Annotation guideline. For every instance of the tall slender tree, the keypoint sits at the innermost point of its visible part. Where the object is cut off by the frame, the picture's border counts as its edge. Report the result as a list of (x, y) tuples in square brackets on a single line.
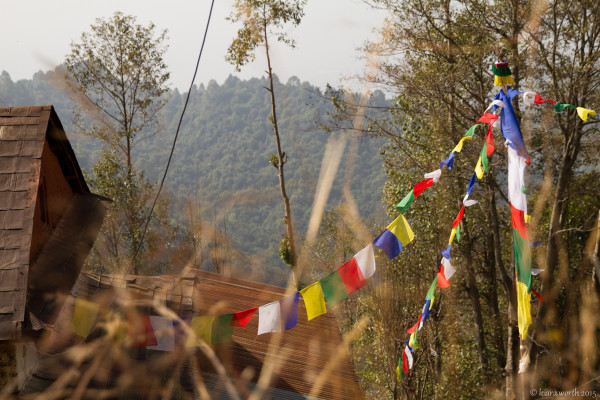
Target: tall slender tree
[(120, 81), (263, 21)]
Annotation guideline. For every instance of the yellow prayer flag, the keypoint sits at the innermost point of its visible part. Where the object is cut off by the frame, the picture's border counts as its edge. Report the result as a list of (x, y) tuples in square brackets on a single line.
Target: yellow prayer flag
[(479, 169), (202, 327), (523, 309), (452, 234), (84, 316), (412, 341), (584, 112), (398, 373), (527, 218), (459, 146), (400, 228), (313, 300)]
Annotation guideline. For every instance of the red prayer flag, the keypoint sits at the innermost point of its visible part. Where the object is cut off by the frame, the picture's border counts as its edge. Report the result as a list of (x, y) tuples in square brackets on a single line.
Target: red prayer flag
[(140, 330), (489, 141), (404, 363), (518, 222), (538, 100), (442, 282), (413, 328), (539, 296), (459, 217), (488, 118), (352, 276), (419, 187), (241, 318)]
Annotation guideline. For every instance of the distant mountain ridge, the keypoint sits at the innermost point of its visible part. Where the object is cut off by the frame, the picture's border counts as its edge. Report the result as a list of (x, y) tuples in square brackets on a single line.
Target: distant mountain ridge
[(221, 159)]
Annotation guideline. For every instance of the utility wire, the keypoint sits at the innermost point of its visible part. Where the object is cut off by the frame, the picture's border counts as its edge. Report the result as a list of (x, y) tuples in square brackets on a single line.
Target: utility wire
[(187, 99)]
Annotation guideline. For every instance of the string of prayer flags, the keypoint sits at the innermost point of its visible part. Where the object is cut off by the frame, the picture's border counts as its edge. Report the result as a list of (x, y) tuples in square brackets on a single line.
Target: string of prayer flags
[(84, 316), (415, 326), (397, 235), (289, 310), (269, 318), (241, 318), (430, 179), (351, 276), (584, 112), (537, 99), (502, 74), (313, 300), (164, 333), (426, 311)]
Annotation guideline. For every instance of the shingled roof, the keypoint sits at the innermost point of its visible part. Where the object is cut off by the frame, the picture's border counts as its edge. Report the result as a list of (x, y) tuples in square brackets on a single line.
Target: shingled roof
[(304, 352), (28, 137)]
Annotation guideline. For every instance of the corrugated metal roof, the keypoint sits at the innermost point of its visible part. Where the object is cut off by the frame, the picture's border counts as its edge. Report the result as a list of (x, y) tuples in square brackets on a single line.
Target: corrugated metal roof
[(304, 350)]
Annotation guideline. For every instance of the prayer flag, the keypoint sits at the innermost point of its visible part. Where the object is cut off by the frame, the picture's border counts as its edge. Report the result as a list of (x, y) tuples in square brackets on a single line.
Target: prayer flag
[(434, 174), (406, 201), (289, 310), (431, 291), (448, 268), (222, 330), (584, 112), (442, 282), (448, 162), (459, 217), (409, 357), (140, 330), (415, 326), (509, 124), (404, 363), (333, 289), (313, 300), (457, 230), (202, 328), (459, 145), (352, 276), (539, 100), (366, 261), (269, 318), (397, 235), (489, 118), (471, 184), (164, 333), (471, 130), (559, 107), (479, 169), (421, 186), (84, 316), (412, 341), (489, 141), (426, 311), (446, 253), (241, 318)]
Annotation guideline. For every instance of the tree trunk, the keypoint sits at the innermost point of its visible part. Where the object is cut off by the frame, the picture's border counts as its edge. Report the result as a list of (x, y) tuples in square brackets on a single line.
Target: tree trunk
[(281, 159)]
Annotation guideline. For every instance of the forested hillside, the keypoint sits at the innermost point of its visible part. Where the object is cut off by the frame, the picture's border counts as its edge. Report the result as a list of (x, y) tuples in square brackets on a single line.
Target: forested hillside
[(221, 162)]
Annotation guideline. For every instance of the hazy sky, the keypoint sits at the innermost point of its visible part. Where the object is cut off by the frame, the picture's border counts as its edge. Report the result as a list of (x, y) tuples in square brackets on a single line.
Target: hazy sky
[(36, 36)]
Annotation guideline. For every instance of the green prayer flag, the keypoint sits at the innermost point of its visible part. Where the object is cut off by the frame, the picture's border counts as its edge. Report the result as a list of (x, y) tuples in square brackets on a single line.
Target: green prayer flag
[(471, 130), (222, 330), (333, 289), (484, 158), (457, 230), (431, 291), (559, 107), (406, 201)]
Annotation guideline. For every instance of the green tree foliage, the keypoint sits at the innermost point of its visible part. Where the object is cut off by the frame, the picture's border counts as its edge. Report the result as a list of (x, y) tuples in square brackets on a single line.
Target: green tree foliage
[(118, 69), (119, 81), (438, 57), (221, 172), (262, 19)]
